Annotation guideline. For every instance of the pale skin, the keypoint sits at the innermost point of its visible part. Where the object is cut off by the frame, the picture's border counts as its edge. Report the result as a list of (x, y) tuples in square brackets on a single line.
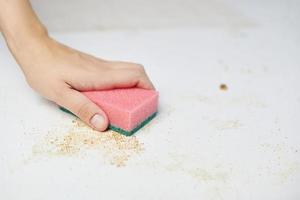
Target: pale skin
[(58, 72)]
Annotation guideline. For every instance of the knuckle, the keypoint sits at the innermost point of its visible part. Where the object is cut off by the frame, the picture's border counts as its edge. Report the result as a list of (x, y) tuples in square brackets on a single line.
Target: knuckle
[(139, 68), (31, 83)]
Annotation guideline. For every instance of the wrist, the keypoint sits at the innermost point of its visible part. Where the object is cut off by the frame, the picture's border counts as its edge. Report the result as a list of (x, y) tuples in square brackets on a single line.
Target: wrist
[(27, 46), (19, 24), (18, 39)]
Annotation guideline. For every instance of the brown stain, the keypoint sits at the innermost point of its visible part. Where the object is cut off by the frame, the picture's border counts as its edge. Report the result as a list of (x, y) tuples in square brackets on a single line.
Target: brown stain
[(111, 146), (223, 87)]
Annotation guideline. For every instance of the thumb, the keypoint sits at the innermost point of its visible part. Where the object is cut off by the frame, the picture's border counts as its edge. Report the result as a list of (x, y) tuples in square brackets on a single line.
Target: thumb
[(83, 108)]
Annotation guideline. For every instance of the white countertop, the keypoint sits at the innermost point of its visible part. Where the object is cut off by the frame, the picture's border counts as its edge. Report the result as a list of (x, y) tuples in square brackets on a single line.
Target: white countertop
[(205, 143)]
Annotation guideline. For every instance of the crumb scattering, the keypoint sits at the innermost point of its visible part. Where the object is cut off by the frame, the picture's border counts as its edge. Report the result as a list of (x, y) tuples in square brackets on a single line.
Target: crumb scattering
[(112, 146)]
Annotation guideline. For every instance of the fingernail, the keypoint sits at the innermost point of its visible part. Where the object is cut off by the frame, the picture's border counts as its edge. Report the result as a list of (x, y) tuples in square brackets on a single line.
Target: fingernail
[(97, 121)]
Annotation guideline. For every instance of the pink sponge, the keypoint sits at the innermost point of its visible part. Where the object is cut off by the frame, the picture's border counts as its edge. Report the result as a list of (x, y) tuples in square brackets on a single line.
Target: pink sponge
[(127, 109)]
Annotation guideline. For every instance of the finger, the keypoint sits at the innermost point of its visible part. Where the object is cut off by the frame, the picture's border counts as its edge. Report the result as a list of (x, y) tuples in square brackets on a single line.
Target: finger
[(141, 77), (145, 83), (112, 78), (125, 78), (83, 108)]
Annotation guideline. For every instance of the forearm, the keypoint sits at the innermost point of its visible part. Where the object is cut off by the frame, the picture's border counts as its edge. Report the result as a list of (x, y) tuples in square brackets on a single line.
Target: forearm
[(18, 20), (21, 28)]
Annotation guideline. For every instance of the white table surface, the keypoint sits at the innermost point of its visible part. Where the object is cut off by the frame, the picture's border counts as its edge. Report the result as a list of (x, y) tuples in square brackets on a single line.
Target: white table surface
[(205, 143)]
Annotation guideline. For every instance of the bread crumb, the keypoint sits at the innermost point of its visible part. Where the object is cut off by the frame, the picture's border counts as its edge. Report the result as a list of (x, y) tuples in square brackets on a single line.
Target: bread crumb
[(111, 146)]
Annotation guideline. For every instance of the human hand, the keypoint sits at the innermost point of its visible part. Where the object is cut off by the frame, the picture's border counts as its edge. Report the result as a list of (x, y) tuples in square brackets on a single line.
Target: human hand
[(59, 73)]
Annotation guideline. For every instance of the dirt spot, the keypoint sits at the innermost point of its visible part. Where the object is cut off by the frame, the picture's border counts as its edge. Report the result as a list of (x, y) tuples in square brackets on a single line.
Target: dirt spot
[(109, 146), (223, 87)]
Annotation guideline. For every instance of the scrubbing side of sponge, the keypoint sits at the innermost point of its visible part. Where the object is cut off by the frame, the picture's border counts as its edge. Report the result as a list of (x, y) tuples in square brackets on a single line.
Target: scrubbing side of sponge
[(138, 127)]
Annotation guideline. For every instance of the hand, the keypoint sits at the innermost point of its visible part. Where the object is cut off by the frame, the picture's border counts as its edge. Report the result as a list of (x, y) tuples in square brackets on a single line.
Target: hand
[(58, 73)]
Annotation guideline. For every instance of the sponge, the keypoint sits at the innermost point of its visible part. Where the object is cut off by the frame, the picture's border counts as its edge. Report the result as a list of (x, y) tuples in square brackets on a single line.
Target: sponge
[(128, 110)]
